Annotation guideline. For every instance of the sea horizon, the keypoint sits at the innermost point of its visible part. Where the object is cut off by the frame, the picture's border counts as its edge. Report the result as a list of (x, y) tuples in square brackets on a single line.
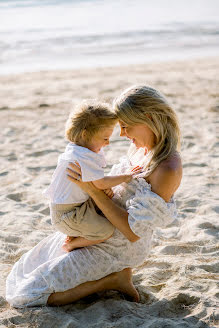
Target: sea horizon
[(52, 35)]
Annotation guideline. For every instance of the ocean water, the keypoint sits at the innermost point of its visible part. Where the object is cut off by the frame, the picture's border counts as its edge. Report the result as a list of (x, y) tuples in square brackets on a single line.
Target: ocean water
[(61, 34)]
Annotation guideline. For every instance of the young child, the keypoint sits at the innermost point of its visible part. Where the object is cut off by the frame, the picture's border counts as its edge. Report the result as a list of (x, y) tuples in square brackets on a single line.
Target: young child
[(88, 129)]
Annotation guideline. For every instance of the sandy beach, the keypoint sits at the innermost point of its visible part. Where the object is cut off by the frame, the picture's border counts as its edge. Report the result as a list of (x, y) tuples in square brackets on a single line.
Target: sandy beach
[(178, 282)]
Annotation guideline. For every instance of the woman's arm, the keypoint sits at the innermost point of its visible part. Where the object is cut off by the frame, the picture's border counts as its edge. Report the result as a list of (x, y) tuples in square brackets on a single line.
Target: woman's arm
[(115, 214)]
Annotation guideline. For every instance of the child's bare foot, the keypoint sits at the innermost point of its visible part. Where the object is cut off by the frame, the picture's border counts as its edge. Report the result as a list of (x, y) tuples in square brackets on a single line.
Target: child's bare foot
[(72, 243), (123, 283), (68, 244), (69, 238)]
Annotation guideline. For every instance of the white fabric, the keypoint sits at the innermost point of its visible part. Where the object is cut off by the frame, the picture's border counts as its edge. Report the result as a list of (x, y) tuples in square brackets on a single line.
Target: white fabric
[(62, 190), (47, 268)]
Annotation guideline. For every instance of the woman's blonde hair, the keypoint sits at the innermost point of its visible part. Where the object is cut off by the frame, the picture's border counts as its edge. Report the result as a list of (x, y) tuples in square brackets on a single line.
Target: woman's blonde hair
[(145, 105), (89, 116)]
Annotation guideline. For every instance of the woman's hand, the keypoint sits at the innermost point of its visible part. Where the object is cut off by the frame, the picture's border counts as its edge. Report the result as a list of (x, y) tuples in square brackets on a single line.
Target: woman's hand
[(74, 174), (74, 171)]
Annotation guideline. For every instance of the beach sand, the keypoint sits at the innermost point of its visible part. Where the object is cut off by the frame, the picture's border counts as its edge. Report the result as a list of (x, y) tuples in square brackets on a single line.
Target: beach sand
[(178, 282)]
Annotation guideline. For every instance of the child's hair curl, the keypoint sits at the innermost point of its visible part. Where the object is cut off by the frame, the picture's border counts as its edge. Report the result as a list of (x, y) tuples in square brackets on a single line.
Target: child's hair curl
[(89, 116)]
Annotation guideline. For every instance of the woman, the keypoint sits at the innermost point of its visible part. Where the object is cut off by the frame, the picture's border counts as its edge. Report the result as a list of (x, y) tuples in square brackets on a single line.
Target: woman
[(47, 275)]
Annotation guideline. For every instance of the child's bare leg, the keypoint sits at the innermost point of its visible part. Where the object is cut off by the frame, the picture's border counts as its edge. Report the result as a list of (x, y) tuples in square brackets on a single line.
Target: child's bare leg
[(78, 242), (121, 281)]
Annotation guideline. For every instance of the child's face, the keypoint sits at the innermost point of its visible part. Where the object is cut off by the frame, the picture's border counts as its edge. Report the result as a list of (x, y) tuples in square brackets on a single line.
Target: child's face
[(100, 139)]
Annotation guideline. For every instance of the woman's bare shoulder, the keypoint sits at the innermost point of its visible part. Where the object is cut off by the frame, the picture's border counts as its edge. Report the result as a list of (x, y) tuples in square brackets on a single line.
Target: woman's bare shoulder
[(166, 178), (172, 163)]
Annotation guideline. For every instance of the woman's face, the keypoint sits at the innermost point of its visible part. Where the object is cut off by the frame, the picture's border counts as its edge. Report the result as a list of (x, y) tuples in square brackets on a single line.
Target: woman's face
[(140, 134)]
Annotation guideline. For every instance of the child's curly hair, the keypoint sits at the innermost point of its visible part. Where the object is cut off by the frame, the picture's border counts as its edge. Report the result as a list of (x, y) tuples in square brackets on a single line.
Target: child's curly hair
[(89, 116)]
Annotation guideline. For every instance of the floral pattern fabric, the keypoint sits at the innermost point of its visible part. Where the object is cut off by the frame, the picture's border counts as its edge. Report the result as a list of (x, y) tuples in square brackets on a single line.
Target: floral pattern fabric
[(47, 268)]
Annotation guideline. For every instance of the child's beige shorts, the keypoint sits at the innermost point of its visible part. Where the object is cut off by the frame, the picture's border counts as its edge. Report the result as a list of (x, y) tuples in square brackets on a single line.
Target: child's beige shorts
[(80, 220)]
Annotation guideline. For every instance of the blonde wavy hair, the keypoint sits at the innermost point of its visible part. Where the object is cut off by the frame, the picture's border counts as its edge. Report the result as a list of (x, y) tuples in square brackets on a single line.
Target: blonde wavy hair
[(145, 105), (90, 116)]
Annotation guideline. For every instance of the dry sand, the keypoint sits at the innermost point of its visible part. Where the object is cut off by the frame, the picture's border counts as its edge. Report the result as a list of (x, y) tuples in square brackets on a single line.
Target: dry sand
[(178, 282)]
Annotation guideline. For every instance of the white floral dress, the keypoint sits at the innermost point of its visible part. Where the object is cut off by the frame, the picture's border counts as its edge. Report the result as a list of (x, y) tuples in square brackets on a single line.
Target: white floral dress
[(47, 268)]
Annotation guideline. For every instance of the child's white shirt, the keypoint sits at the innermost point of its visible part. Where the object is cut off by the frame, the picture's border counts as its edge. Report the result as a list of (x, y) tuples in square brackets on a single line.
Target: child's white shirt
[(62, 190)]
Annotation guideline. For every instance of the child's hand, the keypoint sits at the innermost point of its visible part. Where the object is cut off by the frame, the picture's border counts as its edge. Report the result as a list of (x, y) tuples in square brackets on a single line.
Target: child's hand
[(136, 170), (109, 192)]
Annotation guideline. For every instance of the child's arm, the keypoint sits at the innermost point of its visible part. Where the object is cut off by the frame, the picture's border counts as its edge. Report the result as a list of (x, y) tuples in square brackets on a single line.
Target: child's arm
[(112, 181)]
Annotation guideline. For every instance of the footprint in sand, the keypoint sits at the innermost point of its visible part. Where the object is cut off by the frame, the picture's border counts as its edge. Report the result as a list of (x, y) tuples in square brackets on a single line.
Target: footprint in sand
[(11, 239), (12, 157), (3, 173), (216, 209), (50, 167), (183, 303), (189, 137), (41, 168), (41, 153), (191, 205), (207, 225), (34, 169), (190, 144), (191, 164), (45, 211), (43, 105), (178, 249), (3, 213), (212, 268), (37, 206), (18, 197)]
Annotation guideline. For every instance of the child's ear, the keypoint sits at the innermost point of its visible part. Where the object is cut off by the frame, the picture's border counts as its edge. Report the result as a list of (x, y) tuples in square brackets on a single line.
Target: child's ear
[(84, 134)]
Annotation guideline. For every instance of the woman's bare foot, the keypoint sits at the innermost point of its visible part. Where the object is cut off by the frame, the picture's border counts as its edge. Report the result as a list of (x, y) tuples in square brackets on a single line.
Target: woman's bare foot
[(122, 281)]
